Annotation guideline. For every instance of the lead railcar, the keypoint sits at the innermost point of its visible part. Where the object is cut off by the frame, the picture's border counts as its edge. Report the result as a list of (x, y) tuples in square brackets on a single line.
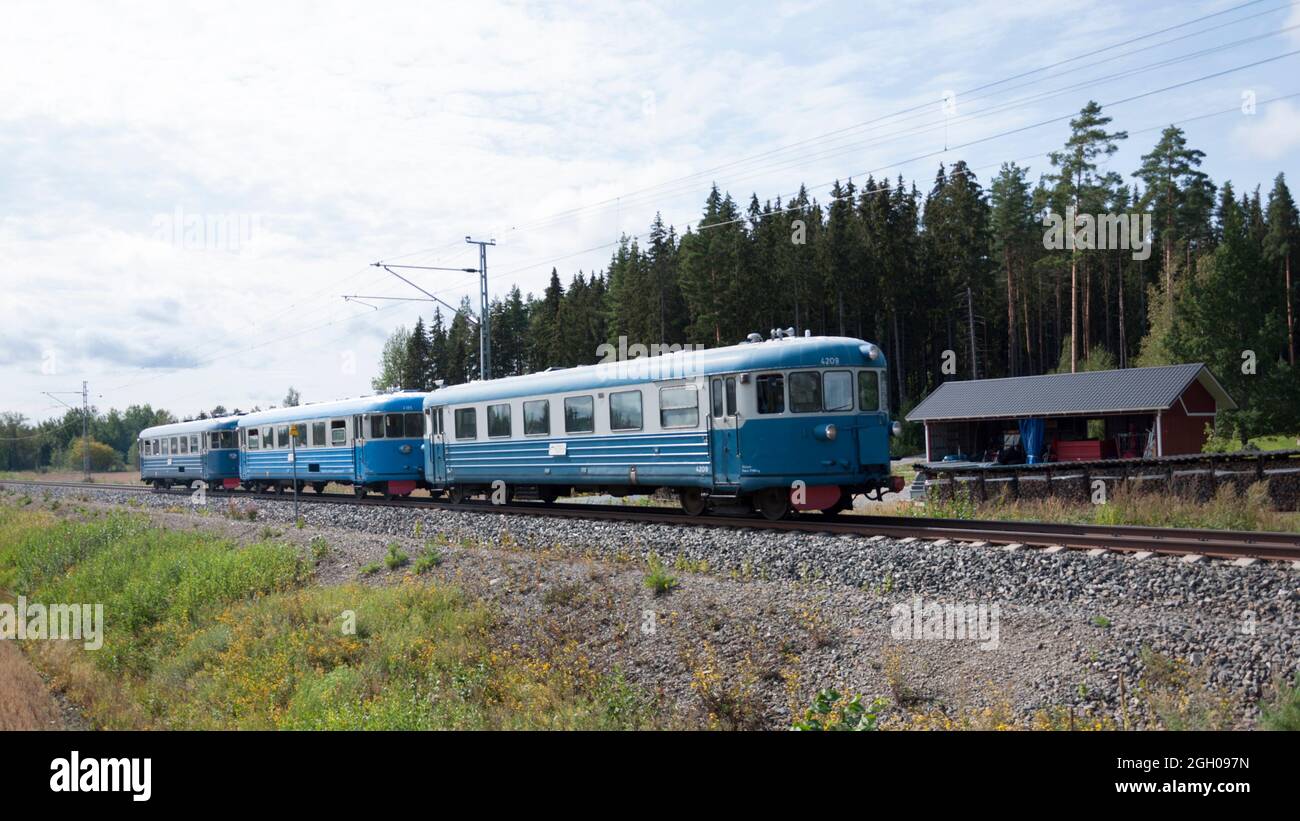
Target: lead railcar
[(790, 422)]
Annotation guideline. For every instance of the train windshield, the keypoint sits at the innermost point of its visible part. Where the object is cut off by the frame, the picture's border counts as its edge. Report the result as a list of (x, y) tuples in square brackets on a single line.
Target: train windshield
[(869, 390)]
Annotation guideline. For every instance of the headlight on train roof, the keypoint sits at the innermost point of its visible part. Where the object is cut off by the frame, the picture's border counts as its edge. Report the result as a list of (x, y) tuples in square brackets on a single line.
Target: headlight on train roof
[(869, 350)]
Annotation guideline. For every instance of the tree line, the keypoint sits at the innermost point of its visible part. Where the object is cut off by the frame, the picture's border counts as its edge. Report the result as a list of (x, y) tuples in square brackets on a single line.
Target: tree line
[(960, 267)]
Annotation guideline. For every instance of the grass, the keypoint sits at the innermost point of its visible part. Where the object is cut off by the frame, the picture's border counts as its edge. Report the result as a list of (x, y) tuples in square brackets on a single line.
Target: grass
[(1229, 509), (431, 558), (1283, 711), (395, 557), (203, 633), (657, 578)]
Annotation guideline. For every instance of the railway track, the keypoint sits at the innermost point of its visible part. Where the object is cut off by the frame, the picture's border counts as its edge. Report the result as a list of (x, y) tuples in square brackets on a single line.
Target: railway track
[(1222, 544)]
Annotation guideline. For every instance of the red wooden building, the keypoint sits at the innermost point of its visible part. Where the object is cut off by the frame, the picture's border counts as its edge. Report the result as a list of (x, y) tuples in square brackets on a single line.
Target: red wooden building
[(1132, 412)]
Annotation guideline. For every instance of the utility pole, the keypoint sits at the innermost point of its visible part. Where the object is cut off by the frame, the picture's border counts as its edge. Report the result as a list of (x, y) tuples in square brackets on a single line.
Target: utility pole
[(485, 322), (85, 429), (85, 422)]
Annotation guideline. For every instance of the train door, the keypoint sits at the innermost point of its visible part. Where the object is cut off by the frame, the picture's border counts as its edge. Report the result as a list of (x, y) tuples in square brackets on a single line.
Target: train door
[(726, 430), (873, 419), (437, 447)]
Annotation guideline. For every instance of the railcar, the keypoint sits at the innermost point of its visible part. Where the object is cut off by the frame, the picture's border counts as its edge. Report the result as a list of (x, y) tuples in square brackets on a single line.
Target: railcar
[(186, 452), (778, 424), (374, 443)]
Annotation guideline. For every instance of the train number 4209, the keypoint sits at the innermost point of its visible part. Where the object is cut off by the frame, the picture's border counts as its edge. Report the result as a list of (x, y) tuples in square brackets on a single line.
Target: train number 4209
[(830, 360)]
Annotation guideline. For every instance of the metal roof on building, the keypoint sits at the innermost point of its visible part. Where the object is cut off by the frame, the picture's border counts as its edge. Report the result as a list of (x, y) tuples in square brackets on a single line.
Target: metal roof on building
[(1128, 390)]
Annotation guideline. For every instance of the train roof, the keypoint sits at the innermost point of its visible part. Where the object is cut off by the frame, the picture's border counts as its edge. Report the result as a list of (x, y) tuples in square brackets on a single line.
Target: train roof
[(193, 426), (773, 354), (397, 402)]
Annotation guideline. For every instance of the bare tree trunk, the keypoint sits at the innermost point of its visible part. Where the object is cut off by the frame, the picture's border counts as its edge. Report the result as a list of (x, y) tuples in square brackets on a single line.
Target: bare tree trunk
[(1012, 354), (1123, 334), (1290, 315), (1074, 314)]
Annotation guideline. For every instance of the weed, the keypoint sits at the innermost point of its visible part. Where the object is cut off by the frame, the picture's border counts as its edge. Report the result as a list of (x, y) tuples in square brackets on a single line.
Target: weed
[(832, 711), (657, 578), (395, 558)]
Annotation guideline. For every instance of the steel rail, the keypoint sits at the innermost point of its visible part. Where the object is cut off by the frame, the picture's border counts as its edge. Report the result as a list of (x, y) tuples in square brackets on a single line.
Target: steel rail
[(1223, 544)]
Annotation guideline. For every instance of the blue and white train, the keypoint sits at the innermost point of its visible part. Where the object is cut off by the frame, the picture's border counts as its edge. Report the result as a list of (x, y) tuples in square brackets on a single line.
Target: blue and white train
[(372, 443), (186, 452), (790, 422)]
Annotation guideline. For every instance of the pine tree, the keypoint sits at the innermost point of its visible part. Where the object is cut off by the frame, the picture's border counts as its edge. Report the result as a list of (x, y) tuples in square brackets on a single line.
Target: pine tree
[(1074, 181), (1281, 243)]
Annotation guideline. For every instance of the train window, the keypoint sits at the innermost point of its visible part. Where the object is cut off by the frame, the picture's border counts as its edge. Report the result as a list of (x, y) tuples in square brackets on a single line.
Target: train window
[(805, 392), (679, 407), (252, 439), (282, 437), (466, 423), (318, 439), (414, 425), (868, 390), (716, 393), (268, 438), (579, 414), (185, 444), (227, 439), (338, 432), (537, 417), (625, 410), (837, 391), (731, 396), (300, 438), (498, 420), (194, 443), (770, 389), (394, 426), (214, 441), (376, 426)]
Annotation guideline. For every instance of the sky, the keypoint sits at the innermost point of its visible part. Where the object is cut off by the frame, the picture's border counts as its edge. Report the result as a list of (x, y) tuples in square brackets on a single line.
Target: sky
[(188, 190)]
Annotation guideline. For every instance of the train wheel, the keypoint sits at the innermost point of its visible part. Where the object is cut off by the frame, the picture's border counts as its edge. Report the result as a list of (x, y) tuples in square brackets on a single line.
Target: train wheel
[(548, 494), (692, 501), (359, 491), (457, 495), (319, 487), (773, 503)]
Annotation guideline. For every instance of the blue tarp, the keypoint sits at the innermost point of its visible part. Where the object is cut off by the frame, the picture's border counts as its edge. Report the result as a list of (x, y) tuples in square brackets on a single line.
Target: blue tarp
[(1031, 439)]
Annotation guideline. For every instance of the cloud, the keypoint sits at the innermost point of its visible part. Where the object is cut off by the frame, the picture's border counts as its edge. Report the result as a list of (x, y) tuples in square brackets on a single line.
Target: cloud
[(1272, 132), (153, 134)]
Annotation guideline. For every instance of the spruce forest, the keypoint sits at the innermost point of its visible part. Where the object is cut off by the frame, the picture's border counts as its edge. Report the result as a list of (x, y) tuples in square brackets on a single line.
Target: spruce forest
[(959, 265)]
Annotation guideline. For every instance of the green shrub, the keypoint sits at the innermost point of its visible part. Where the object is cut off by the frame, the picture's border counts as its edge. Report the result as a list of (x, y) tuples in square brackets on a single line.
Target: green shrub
[(657, 577), (395, 558), (832, 711)]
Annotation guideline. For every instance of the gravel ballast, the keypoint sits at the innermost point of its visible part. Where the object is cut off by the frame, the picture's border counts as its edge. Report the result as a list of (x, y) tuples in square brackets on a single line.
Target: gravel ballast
[(1069, 626)]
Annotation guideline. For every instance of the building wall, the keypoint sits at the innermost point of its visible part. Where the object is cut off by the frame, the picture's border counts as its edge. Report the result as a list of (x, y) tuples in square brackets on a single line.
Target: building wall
[(1183, 432)]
